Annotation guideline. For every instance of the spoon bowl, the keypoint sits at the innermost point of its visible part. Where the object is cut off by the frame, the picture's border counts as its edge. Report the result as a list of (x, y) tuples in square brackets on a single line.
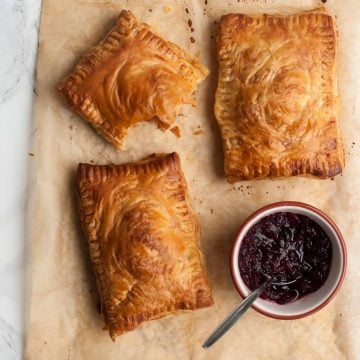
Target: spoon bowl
[(239, 311)]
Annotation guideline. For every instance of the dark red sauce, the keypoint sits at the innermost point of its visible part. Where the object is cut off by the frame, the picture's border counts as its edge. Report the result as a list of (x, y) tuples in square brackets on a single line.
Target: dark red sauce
[(289, 249)]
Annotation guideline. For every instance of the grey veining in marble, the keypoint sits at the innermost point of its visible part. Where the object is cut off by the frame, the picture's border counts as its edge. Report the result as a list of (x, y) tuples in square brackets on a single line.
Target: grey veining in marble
[(10, 341), (17, 44), (19, 24)]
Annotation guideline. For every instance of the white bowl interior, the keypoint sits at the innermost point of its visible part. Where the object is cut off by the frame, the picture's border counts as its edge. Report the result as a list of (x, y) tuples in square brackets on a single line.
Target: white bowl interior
[(308, 302)]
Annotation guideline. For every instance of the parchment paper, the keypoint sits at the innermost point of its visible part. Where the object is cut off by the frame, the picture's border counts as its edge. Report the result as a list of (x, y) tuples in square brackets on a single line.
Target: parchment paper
[(64, 322)]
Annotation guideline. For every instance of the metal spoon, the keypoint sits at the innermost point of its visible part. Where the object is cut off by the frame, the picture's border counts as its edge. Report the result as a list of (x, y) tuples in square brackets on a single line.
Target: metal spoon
[(240, 310)]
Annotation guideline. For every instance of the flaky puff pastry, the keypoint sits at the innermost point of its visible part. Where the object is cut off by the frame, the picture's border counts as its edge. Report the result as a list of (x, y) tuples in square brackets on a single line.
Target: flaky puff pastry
[(143, 237), (277, 97), (133, 75)]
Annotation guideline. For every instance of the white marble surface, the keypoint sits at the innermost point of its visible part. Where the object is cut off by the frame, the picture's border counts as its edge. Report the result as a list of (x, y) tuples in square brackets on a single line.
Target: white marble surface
[(19, 23)]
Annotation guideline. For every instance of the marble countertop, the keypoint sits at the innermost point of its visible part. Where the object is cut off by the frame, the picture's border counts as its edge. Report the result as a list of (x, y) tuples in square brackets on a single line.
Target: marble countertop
[(19, 25)]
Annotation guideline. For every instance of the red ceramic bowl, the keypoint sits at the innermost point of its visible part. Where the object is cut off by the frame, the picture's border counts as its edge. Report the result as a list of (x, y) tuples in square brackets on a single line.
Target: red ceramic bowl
[(310, 303)]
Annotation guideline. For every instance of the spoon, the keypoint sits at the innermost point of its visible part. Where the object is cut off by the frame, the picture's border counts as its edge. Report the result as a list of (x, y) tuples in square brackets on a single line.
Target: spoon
[(240, 310)]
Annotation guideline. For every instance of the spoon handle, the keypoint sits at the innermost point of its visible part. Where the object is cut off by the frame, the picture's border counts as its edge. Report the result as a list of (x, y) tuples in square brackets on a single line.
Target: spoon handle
[(233, 317)]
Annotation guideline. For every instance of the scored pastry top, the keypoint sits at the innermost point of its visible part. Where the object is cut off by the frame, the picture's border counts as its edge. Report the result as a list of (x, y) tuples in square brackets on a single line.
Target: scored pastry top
[(133, 75), (277, 97), (143, 238)]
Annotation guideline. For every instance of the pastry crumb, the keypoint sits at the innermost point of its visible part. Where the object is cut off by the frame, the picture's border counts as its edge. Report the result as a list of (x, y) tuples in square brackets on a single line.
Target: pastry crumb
[(198, 132), (176, 130), (192, 39)]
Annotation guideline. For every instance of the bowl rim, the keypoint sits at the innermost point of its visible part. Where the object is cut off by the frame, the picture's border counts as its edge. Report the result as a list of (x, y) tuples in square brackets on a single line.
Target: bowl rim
[(327, 219)]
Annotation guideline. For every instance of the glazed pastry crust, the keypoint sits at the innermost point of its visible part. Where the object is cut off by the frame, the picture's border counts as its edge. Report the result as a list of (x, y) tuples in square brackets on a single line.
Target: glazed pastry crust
[(133, 75), (143, 238), (277, 97)]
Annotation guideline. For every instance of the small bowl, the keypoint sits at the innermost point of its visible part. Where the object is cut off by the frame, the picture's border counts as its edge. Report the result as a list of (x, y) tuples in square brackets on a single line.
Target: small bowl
[(310, 303)]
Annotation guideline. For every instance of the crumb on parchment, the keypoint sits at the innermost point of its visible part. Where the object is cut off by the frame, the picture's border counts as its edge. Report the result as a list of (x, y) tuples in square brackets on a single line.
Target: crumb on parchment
[(176, 130), (198, 132)]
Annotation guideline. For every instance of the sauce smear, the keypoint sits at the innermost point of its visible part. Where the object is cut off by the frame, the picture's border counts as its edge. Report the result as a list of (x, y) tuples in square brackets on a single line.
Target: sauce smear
[(284, 247)]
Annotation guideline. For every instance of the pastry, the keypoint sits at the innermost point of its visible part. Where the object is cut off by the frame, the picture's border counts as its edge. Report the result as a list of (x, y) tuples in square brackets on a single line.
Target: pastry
[(277, 96), (143, 238), (133, 75)]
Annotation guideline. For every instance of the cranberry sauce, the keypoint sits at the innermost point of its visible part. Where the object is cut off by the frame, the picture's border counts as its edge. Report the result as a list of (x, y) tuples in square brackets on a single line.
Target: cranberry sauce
[(289, 249)]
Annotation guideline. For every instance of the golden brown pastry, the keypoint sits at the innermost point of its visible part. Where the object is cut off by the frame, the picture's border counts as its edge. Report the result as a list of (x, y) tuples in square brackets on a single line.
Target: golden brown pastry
[(143, 237), (133, 75), (277, 97)]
